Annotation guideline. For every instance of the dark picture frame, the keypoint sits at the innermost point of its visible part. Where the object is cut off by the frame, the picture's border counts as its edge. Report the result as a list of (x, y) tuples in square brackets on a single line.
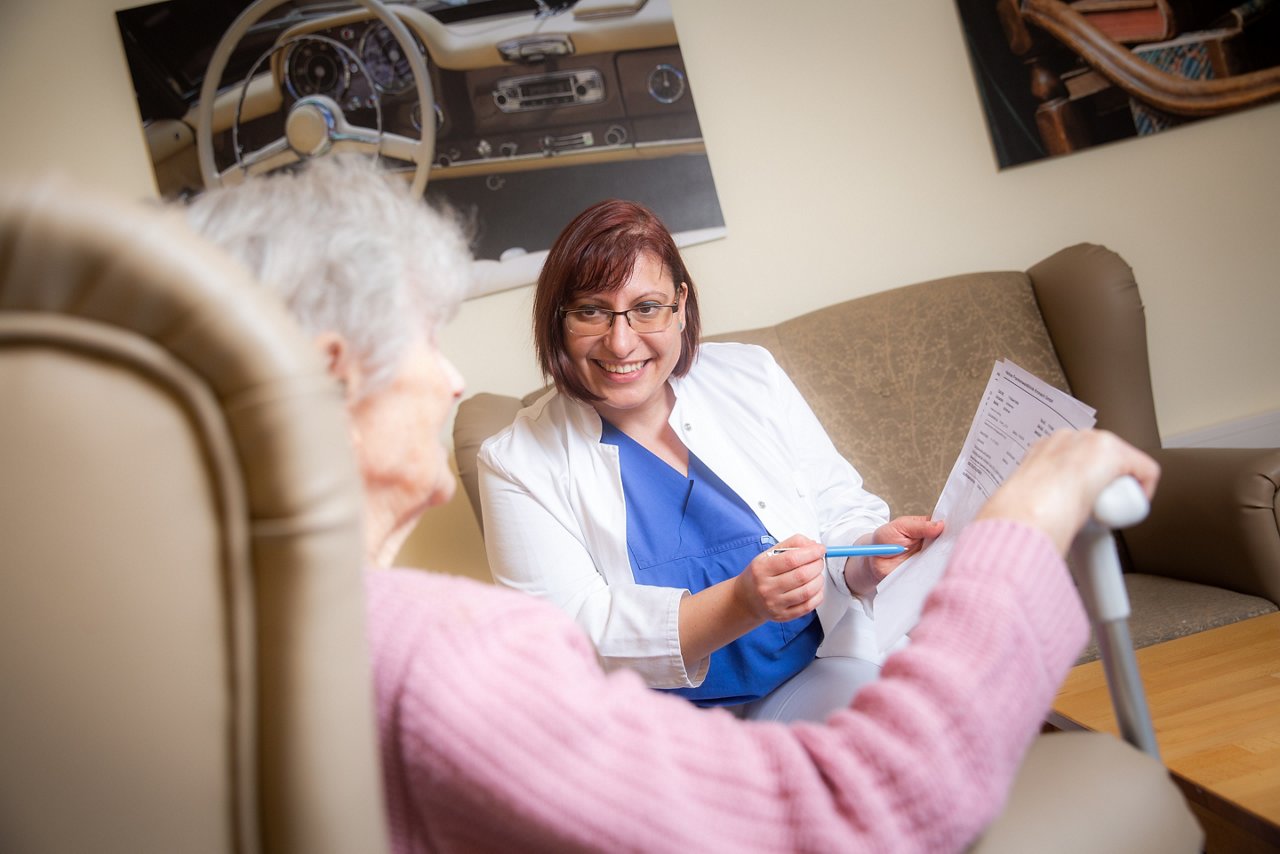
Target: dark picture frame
[(1059, 76), (542, 108)]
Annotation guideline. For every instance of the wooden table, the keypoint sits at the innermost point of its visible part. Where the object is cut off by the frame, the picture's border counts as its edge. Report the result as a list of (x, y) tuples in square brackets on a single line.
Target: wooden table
[(1215, 702)]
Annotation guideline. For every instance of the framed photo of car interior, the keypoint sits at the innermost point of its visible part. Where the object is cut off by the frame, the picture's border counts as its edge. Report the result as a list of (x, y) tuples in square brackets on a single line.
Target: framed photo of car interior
[(537, 108)]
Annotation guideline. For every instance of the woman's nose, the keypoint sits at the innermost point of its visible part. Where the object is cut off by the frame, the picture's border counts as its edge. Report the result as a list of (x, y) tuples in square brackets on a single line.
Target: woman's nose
[(621, 337)]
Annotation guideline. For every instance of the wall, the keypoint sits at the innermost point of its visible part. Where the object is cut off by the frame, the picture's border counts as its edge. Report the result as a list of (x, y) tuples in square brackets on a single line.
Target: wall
[(850, 154)]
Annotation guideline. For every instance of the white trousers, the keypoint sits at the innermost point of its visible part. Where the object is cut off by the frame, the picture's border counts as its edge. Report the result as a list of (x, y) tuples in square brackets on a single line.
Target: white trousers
[(825, 685)]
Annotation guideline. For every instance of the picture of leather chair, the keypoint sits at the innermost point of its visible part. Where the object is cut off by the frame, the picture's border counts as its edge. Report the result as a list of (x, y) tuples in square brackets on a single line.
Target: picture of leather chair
[(1058, 76)]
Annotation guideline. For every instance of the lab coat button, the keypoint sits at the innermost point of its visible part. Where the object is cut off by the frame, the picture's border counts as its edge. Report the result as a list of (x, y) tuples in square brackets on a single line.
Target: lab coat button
[(687, 426), (761, 505)]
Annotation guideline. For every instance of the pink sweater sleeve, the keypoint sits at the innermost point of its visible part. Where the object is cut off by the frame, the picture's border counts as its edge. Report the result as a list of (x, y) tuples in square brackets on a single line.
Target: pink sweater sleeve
[(500, 732)]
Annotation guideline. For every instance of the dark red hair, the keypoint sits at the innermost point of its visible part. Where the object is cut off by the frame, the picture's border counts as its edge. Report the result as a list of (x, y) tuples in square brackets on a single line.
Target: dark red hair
[(596, 254)]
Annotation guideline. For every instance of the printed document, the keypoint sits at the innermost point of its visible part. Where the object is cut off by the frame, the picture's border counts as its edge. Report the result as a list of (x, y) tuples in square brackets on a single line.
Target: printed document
[(1017, 408)]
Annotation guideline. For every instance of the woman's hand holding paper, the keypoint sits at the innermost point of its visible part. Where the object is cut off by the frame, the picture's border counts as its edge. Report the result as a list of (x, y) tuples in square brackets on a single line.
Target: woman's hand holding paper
[(862, 574)]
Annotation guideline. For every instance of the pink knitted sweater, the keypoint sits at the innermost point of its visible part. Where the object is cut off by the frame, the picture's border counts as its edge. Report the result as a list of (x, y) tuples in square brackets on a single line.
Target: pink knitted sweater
[(500, 732)]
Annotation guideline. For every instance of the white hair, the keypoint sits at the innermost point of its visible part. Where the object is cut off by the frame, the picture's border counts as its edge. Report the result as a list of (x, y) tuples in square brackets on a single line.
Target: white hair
[(349, 250)]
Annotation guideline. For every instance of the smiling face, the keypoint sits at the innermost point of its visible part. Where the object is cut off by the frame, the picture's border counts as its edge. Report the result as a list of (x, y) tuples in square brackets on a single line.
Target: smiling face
[(628, 370), (596, 255)]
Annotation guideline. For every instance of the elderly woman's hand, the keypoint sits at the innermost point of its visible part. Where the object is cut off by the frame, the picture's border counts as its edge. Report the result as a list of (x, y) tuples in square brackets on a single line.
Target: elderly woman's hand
[(1059, 479), (786, 585), (862, 574)]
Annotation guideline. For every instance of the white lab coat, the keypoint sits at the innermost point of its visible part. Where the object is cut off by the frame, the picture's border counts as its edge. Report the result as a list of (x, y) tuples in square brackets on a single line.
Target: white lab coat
[(555, 516)]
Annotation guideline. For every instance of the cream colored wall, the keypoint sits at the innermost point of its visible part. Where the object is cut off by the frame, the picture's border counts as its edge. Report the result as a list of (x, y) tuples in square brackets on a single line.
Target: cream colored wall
[(850, 154), (67, 100)]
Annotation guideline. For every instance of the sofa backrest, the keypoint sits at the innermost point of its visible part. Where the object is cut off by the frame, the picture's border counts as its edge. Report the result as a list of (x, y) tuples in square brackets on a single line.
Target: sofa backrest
[(895, 377)]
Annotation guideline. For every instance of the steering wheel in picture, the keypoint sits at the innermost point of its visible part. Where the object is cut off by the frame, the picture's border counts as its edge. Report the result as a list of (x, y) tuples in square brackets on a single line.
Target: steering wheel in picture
[(315, 124)]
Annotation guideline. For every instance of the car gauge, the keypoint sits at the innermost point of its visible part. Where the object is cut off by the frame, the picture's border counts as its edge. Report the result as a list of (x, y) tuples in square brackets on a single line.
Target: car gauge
[(383, 56), (316, 66)]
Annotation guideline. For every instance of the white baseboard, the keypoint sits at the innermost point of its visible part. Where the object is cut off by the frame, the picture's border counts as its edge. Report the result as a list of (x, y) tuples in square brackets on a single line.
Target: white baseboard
[(1256, 431)]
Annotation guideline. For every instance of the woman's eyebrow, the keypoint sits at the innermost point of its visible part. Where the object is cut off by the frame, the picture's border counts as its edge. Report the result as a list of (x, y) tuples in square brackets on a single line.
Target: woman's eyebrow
[(602, 296)]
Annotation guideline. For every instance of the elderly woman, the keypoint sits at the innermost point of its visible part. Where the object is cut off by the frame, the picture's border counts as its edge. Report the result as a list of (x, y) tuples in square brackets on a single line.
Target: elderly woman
[(499, 730), (372, 278), (646, 494)]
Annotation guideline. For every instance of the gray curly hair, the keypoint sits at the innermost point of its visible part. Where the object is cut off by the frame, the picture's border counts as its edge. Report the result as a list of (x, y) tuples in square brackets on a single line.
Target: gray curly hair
[(349, 250)]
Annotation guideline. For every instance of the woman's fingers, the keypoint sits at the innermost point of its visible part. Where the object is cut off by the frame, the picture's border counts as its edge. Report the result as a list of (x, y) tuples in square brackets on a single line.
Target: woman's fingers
[(1057, 482), (908, 531), (798, 600), (790, 583)]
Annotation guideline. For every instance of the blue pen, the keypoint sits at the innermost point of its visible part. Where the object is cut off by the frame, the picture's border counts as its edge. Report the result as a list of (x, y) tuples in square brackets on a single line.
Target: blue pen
[(857, 551)]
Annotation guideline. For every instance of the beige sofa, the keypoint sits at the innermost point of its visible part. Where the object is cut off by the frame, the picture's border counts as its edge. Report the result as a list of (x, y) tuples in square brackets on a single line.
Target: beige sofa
[(895, 377)]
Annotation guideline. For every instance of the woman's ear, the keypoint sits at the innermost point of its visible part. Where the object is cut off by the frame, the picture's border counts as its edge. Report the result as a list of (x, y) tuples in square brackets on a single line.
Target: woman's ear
[(340, 363)]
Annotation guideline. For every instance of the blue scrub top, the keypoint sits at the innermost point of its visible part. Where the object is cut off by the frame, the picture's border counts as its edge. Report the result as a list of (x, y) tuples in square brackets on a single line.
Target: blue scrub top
[(691, 533)]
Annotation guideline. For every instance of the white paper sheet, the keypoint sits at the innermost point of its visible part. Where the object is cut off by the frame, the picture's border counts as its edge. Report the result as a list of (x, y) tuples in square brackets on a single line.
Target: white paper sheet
[(1017, 408)]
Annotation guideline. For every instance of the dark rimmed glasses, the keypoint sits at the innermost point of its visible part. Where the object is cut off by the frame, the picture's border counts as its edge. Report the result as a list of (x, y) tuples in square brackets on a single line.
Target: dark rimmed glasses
[(643, 318)]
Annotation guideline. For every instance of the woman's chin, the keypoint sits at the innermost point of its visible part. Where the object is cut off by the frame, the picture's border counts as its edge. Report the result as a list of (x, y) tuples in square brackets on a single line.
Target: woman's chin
[(624, 394)]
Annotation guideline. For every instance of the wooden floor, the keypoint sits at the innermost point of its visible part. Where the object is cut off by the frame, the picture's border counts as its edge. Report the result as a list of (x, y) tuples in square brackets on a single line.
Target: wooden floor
[(1215, 702)]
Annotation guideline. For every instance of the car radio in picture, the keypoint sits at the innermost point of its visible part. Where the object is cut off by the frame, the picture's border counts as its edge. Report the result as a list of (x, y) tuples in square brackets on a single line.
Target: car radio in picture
[(544, 91)]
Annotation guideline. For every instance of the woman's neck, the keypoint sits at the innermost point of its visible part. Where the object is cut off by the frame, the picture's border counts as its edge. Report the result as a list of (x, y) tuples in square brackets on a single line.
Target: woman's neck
[(385, 530), (649, 427)]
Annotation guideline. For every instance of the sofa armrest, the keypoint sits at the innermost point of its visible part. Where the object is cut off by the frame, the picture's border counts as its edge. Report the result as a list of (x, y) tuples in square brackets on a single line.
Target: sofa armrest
[(1214, 520), (479, 417)]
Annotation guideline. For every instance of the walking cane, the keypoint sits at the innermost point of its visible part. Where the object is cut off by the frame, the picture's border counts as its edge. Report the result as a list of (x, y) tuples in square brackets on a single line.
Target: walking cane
[(1096, 567)]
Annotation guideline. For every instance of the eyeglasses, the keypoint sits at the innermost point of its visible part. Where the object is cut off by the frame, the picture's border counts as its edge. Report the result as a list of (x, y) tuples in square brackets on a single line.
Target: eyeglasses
[(644, 318)]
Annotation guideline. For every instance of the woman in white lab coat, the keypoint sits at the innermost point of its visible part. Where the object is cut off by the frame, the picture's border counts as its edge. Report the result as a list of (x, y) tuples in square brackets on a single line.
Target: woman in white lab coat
[(646, 493)]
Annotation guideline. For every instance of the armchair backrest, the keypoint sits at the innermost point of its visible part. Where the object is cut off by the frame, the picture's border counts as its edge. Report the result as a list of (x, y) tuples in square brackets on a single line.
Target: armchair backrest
[(182, 642)]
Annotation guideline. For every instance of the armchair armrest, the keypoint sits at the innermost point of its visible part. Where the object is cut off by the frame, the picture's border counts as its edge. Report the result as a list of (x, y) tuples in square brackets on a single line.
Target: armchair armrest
[(1214, 520)]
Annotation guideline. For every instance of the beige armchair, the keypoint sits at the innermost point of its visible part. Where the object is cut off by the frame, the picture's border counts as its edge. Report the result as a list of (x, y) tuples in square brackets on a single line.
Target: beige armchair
[(181, 631), (898, 399)]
